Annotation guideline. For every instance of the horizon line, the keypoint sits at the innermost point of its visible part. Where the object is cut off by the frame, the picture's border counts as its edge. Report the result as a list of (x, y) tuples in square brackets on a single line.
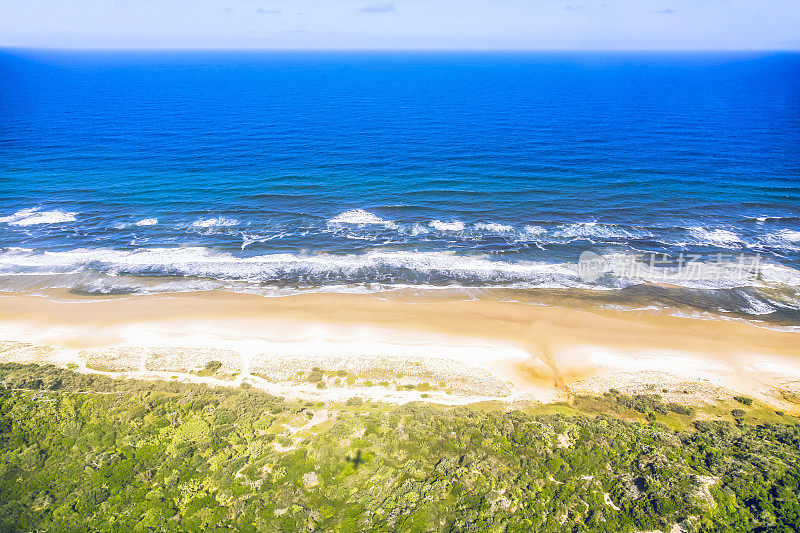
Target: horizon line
[(259, 49)]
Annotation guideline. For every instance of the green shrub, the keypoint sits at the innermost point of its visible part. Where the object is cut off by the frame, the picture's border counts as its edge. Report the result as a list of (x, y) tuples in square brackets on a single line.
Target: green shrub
[(680, 409), (167, 456)]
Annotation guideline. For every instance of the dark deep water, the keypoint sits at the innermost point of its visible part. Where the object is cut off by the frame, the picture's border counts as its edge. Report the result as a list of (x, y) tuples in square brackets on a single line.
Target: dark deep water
[(166, 171)]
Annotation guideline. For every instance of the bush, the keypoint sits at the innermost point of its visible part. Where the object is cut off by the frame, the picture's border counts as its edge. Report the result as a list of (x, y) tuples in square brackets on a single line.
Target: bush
[(643, 403), (213, 366), (680, 409), (737, 413), (355, 401), (744, 400)]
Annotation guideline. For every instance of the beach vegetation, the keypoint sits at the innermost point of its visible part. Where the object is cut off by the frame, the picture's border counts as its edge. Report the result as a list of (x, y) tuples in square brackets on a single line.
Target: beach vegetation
[(85, 452), (211, 368), (315, 375)]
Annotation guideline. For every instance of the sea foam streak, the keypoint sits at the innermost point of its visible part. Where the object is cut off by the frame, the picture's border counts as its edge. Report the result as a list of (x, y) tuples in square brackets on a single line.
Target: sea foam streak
[(33, 216), (596, 230), (494, 227), (215, 222)]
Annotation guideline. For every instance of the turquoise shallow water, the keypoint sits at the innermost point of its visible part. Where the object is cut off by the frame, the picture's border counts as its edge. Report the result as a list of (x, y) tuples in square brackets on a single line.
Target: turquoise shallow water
[(128, 172)]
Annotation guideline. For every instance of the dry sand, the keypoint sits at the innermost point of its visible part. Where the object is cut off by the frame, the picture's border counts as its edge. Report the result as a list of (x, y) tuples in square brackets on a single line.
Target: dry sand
[(467, 350)]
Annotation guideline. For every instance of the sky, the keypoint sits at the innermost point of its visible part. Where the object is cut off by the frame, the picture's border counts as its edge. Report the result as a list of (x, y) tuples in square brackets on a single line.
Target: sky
[(402, 24)]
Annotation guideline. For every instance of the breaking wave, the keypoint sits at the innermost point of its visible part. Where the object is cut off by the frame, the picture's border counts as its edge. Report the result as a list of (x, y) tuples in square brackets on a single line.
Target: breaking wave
[(385, 266), (716, 237), (454, 225), (215, 222), (494, 227), (359, 217), (33, 216)]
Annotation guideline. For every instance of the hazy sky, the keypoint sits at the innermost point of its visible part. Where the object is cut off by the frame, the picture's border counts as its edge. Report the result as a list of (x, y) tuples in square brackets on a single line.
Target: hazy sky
[(482, 24)]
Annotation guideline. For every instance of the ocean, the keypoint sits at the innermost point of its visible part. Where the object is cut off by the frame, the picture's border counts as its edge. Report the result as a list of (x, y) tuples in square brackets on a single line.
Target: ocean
[(285, 172)]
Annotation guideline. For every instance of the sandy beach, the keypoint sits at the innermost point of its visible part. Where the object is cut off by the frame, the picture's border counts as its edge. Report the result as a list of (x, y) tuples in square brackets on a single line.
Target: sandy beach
[(398, 348)]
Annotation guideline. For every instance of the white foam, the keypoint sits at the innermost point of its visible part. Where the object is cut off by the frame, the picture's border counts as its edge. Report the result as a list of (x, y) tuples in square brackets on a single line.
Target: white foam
[(533, 230), (715, 237), (204, 262), (615, 307), (789, 235), (412, 268), (360, 217), (147, 222), (787, 238), (455, 225), (764, 218), (589, 230), (757, 307), (33, 216), (630, 269), (248, 239), (215, 222), (493, 227), (772, 273), (419, 229)]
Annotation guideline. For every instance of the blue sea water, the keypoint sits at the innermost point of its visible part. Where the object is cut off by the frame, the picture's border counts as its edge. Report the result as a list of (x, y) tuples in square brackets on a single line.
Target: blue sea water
[(125, 172)]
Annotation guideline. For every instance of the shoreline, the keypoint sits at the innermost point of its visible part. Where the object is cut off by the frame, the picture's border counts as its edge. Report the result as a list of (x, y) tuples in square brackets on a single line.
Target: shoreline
[(398, 348)]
